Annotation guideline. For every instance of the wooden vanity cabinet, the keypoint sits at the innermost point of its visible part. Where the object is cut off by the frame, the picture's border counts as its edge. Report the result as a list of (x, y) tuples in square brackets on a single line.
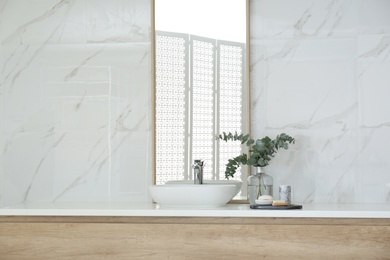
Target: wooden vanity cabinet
[(51, 237)]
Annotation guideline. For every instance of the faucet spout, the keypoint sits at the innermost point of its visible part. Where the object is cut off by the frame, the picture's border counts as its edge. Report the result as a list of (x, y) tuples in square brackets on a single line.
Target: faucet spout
[(198, 171)]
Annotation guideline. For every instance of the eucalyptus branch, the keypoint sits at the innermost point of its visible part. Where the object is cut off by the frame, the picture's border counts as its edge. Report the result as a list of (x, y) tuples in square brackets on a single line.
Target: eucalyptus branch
[(261, 151)]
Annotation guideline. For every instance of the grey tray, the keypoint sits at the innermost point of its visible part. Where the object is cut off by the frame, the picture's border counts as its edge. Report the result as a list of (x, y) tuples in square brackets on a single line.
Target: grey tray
[(292, 206)]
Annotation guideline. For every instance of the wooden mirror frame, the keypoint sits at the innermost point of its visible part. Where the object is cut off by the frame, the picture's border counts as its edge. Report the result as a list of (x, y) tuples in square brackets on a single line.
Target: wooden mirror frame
[(247, 103)]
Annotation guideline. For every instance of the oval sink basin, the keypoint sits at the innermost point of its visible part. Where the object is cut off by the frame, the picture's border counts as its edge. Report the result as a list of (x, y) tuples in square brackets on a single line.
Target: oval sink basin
[(192, 195), (238, 184)]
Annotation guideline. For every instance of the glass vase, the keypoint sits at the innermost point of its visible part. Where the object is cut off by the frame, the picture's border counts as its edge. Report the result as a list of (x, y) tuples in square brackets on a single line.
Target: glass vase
[(266, 182), (253, 188)]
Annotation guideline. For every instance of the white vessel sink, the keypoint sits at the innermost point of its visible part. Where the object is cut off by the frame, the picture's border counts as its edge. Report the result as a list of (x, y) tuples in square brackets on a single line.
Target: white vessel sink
[(187, 194), (238, 184)]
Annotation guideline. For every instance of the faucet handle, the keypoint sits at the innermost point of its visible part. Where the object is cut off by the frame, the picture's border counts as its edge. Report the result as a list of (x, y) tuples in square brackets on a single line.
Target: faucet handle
[(198, 163)]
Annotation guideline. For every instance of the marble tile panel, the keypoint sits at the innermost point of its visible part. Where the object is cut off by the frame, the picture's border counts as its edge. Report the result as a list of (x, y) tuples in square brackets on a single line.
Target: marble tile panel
[(21, 98), (78, 113), (74, 76), (296, 166), (373, 47), (258, 70), (337, 179), (131, 166), (75, 87), (373, 80), (37, 22), (1, 145), (315, 81), (320, 166), (79, 21), (79, 77), (28, 166), (73, 25), (373, 16), (308, 102), (82, 167), (131, 95), (304, 73), (373, 165), (2, 5), (118, 21), (303, 18), (374, 89)]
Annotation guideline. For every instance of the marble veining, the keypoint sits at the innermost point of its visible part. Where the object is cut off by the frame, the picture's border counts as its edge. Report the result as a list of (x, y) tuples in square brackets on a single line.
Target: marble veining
[(319, 73), (36, 172), (82, 63), (382, 47), (75, 101), (76, 105)]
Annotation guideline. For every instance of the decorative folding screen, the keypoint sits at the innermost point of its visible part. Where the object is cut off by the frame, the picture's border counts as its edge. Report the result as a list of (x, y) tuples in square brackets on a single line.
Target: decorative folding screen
[(199, 86), (203, 102), (171, 106), (230, 99)]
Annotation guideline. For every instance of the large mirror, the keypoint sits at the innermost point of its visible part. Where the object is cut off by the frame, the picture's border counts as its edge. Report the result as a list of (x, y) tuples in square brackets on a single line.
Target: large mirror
[(201, 56)]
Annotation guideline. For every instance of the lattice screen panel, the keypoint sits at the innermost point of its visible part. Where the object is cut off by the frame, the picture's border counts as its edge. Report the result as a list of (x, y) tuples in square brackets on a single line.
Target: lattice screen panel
[(230, 78), (171, 109), (199, 83), (202, 96)]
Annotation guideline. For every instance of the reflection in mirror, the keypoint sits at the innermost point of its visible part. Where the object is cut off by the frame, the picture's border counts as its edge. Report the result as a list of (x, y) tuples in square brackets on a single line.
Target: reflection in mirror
[(201, 85)]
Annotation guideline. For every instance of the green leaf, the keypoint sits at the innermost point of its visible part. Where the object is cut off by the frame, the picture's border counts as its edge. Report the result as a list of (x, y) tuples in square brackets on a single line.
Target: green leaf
[(261, 151)]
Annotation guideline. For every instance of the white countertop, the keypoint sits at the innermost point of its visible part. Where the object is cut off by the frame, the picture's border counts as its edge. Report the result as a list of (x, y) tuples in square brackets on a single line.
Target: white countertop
[(230, 210)]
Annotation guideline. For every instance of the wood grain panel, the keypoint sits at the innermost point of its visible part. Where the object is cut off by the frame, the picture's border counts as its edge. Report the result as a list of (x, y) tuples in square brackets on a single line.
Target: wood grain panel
[(191, 241)]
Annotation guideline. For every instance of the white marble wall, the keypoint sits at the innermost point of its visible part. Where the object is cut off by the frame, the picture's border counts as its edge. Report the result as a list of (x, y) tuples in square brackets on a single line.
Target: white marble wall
[(2, 4), (320, 71), (75, 101)]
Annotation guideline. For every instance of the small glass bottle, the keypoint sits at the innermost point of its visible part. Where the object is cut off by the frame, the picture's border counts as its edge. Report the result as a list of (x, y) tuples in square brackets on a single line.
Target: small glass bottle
[(253, 188), (266, 182)]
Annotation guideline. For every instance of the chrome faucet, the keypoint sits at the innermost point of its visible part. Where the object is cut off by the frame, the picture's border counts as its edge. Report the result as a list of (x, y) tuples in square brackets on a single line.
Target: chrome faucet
[(198, 171)]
